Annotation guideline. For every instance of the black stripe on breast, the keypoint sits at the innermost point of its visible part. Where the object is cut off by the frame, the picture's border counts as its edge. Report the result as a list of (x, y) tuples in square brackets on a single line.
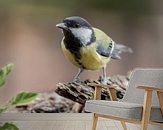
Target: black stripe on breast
[(73, 45)]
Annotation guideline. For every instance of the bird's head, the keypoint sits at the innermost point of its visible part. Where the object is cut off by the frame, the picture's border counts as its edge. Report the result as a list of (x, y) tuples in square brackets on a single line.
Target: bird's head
[(77, 27)]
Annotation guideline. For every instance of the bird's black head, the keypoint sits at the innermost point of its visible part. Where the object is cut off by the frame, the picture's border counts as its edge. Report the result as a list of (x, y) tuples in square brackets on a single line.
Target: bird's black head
[(76, 27), (76, 22)]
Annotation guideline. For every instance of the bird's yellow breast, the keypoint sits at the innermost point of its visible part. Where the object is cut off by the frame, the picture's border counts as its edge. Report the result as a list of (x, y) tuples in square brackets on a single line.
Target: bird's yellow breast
[(90, 59)]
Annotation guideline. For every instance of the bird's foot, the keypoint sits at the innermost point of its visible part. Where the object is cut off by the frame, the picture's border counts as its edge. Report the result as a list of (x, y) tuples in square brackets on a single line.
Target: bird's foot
[(103, 80), (77, 80)]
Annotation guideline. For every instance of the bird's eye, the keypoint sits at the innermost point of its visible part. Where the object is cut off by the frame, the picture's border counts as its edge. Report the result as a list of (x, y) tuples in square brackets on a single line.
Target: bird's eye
[(76, 25)]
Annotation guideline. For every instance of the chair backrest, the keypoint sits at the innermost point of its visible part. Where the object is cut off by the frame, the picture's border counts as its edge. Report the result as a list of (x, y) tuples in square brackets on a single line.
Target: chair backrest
[(143, 76)]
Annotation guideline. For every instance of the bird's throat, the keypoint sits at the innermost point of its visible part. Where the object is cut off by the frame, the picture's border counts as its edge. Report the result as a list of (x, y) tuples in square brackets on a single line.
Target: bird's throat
[(73, 45)]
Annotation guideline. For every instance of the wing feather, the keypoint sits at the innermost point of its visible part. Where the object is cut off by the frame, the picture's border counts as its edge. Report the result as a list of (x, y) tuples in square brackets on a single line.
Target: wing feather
[(105, 46), (118, 49)]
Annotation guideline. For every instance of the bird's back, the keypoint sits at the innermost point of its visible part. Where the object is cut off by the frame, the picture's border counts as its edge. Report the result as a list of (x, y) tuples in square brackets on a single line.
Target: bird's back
[(102, 38)]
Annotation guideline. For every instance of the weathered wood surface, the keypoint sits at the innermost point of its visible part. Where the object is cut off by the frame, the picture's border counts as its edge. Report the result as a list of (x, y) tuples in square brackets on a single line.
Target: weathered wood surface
[(81, 92), (71, 97)]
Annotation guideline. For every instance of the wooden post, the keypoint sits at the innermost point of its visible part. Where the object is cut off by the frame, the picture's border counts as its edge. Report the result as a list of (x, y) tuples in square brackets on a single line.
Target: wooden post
[(112, 94), (113, 97), (97, 94), (94, 121), (160, 98), (124, 125), (146, 109)]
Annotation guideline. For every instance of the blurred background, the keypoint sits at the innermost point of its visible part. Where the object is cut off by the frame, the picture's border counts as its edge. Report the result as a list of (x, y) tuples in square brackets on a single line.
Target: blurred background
[(30, 40)]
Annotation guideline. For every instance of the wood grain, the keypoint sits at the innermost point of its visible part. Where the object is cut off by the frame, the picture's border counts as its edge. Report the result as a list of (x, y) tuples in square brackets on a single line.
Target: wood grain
[(146, 109)]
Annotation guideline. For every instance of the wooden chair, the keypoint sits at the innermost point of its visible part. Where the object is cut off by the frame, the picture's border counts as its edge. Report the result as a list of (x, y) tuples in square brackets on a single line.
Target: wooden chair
[(142, 103)]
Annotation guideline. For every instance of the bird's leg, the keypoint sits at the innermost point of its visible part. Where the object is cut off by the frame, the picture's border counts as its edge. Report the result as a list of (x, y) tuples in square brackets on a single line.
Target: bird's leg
[(77, 78), (104, 79)]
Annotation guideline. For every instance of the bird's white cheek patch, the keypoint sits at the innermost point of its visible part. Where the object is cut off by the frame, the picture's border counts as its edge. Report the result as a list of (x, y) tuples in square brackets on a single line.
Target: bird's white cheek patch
[(84, 34)]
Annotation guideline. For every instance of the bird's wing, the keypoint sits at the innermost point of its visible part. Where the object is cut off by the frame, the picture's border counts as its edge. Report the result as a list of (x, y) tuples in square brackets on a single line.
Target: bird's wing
[(104, 51), (104, 44)]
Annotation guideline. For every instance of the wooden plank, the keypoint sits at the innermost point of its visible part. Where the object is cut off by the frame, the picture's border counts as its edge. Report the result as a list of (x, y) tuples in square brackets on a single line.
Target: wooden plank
[(94, 121), (150, 88), (112, 94), (120, 119), (156, 123), (124, 125), (97, 94), (160, 98), (146, 109)]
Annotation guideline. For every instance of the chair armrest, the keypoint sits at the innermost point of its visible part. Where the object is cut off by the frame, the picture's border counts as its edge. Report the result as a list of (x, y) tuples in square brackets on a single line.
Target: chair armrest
[(98, 88), (148, 100), (148, 88), (148, 97)]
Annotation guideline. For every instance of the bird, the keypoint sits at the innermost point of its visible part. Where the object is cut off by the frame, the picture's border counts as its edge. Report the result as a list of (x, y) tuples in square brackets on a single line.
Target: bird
[(88, 47)]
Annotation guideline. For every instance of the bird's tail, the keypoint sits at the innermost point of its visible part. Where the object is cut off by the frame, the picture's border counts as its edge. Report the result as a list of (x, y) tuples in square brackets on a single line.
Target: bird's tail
[(118, 49)]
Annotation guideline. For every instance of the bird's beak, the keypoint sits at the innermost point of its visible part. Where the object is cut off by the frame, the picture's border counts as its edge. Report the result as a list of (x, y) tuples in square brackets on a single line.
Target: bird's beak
[(61, 25)]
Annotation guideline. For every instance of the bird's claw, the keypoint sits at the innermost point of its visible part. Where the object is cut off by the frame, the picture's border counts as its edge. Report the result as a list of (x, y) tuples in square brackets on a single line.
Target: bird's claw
[(103, 80), (78, 80)]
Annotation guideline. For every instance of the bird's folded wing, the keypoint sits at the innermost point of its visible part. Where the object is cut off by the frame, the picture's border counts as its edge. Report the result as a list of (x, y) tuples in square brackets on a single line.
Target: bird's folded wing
[(105, 46), (104, 50)]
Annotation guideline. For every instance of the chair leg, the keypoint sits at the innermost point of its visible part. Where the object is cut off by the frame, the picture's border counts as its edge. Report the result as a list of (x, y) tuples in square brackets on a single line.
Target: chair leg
[(124, 125), (144, 126), (94, 121), (146, 110)]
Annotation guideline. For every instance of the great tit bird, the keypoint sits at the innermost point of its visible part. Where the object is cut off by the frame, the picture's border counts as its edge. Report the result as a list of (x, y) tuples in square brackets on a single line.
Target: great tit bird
[(87, 47)]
